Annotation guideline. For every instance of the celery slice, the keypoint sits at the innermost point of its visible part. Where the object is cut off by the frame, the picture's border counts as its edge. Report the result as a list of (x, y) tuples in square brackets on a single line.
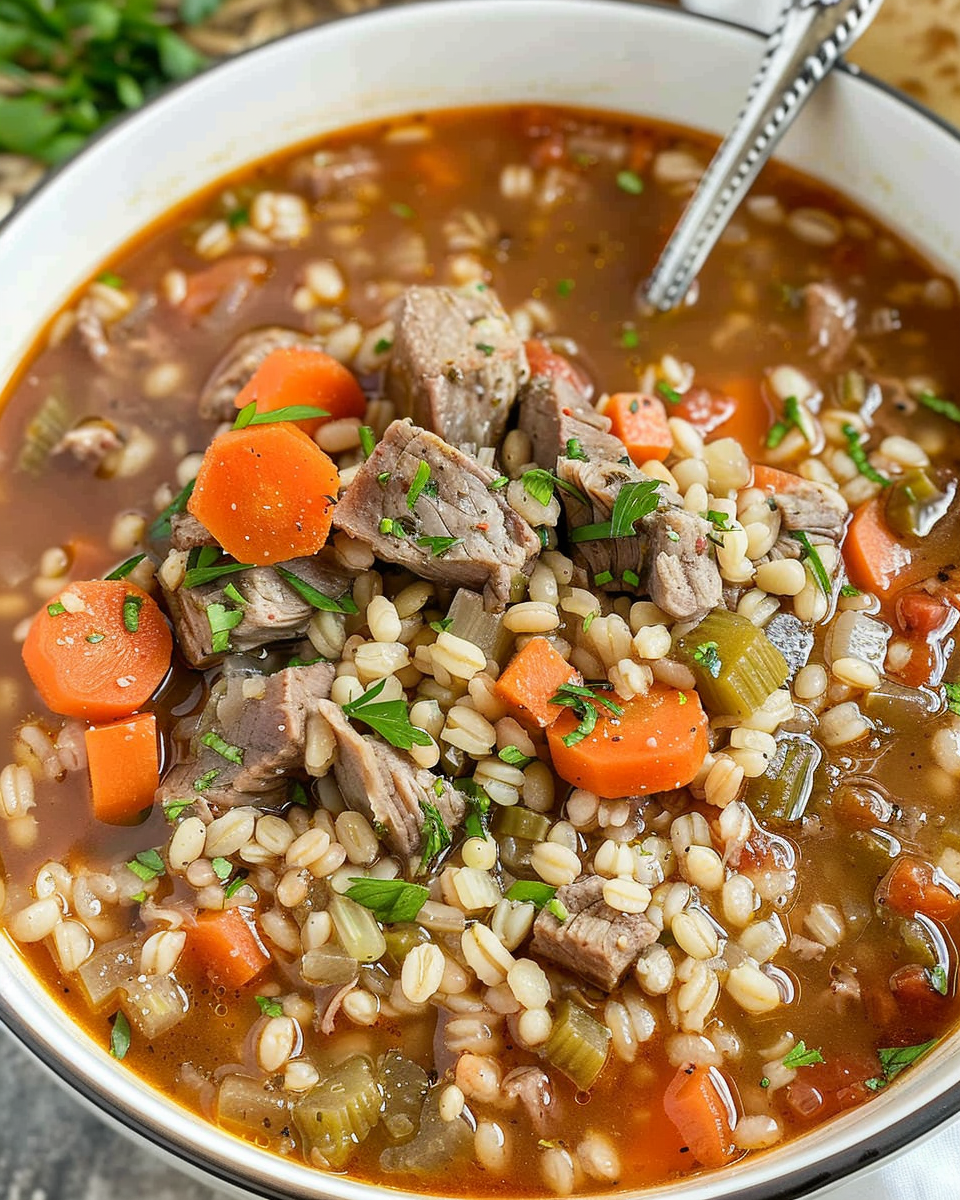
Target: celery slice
[(578, 1045), (357, 929), (339, 1113), (735, 664), (785, 788), (519, 822)]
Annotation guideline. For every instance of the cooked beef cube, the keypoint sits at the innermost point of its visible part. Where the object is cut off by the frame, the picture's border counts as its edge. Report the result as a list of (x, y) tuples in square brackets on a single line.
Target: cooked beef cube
[(273, 611), (186, 532), (265, 718), (814, 508), (681, 575), (90, 443), (492, 542), (457, 363), (600, 482), (831, 322), (387, 786), (236, 367), (596, 942), (553, 413)]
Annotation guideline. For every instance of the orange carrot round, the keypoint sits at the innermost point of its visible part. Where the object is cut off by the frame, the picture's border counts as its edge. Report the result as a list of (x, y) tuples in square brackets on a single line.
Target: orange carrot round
[(301, 375), (227, 948), (658, 744), (98, 650), (530, 680), (640, 422), (695, 1106), (266, 493), (123, 760)]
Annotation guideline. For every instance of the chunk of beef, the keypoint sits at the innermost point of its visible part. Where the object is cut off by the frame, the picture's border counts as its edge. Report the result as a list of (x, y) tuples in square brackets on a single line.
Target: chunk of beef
[(272, 612), (265, 718), (90, 443), (553, 413), (236, 367), (387, 786), (493, 543), (532, 1087), (680, 573), (813, 507), (186, 532), (457, 363), (831, 323), (595, 942)]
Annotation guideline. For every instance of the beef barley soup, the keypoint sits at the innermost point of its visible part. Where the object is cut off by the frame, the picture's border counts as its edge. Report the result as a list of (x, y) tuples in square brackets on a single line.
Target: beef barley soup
[(455, 720)]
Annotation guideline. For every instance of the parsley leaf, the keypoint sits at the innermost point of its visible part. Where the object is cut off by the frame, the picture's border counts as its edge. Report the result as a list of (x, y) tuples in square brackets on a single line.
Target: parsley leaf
[(202, 783), (635, 500), (435, 835), (390, 900), (478, 806), (946, 408), (161, 524), (216, 743), (668, 393), (800, 1056), (420, 480), (540, 895), (221, 620), (248, 415), (792, 419), (222, 868), (317, 599), (952, 692), (849, 591), (496, 485), (707, 654), (630, 339), (131, 613), (389, 718), (859, 456), (629, 181), (270, 1006), (575, 450), (583, 701), (55, 609), (539, 485), (368, 440), (895, 1059), (403, 211), (199, 575), (439, 545), (937, 978), (811, 556), (172, 809), (125, 568), (147, 865), (565, 288), (514, 757), (119, 1037)]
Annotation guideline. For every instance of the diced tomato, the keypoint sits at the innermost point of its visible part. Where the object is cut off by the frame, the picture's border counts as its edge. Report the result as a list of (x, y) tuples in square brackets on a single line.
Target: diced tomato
[(920, 613), (546, 362), (829, 1088), (912, 988), (912, 886)]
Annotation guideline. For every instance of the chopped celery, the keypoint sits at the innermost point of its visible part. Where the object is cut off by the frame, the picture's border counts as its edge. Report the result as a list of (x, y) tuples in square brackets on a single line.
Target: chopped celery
[(153, 1004), (401, 939), (328, 965), (915, 503), (734, 663), (108, 969), (472, 622), (47, 427), (357, 929), (404, 1085), (519, 822), (784, 789), (245, 1105), (578, 1045), (338, 1114), (515, 856)]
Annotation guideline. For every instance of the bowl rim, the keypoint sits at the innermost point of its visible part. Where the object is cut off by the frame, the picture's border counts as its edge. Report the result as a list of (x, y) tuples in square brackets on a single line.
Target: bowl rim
[(52, 1048)]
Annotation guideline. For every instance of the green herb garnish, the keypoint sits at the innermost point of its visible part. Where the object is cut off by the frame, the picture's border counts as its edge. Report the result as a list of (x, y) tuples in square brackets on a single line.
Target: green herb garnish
[(630, 339), (222, 868), (671, 395), (438, 546), (172, 809), (248, 415), (368, 439), (382, 346), (800, 1056), (147, 865), (485, 348), (392, 901), (119, 1037), (131, 613), (221, 620), (442, 625), (420, 480), (937, 978), (583, 700), (514, 757), (565, 287), (269, 1006), (55, 609), (314, 598), (849, 591), (952, 692), (707, 654), (540, 895), (896, 1059), (946, 408), (95, 638), (496, 485), (629, 181), (200, 575), (478, 806), (435, 836), (792, 419), (811, 556), (389, 718), (125, 568), (216, 743), (634, 501), (575, 450), (161, 524), (204, 781), (859, 456), (539, 484)]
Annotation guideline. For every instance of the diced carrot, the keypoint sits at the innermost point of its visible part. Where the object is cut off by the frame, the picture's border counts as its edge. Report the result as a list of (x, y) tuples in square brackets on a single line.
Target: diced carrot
[(531, 679), (920, 613), (266, 493), (438, 166), (694, 1104), (546, 362), (641, 151), (658, 744), (911, 886), (99, 650), (640, 422), (773, 481), (913, 989), (124, 768), (738, 408), (300, 375), (877, 559), (205, 288), (227, 948)]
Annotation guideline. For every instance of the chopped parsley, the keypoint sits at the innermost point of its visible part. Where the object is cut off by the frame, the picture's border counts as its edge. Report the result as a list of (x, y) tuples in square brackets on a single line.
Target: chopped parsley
[(147, 865), (937, 978), (849, 591), (952, 691), (248, 415), (390, 900), (94, 638), (204, 781), (575, 450), (438, 545), (172, 809), (792, 419), (673, 535), (603, 577), (514, 757), (583, 701), (896, 1059), (221, 620), (314, 598), (368, 439), (478, 805), (442, 625), (420, 480), (800, 1056), (540, 895), (681, 697), (565, 287), (859, 456), (110, 279), (485, 348), (238, 217), (55, 609), (539, 484), (382, 346), (634, 501), (390, 527), (496, 485), (222, 868), (215, 742), (403, 211), (161, 524), (630, 339), (589, 619), (707, 654), (298, 794), (811, 556), (631, 578), (629, 181), (946, 408), (269, 1006), (389, 718), (383, 478), (131, 613), (119, 1037), (125, 568), (435, 836), (671, 395), (199, 575), (232, 593)]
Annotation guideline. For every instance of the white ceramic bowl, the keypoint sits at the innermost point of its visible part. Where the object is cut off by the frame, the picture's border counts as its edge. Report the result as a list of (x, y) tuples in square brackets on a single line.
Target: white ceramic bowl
[(892, 158)]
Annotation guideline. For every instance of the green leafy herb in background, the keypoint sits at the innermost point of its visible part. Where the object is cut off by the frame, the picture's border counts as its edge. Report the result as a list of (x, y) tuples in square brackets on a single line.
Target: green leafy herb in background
[(79, 63)]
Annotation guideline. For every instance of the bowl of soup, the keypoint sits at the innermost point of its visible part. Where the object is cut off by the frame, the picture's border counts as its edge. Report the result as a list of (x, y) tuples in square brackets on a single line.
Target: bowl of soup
[(463, 733)]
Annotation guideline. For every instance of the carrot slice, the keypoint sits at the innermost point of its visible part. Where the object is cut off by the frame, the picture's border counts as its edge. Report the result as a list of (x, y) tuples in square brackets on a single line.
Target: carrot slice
[(301, 375), (227, 948), (124, 768), (738, 409), (437, 166), (773, 481), (640, 422), (877, 560), (696, 1107), (266, 493), (912, 886), (531, 679), (658, 744), (98, 650), (546, 362)]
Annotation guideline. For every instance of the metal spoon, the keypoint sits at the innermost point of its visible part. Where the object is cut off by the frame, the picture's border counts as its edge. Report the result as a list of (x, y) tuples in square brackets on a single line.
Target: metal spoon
[(808, 41)]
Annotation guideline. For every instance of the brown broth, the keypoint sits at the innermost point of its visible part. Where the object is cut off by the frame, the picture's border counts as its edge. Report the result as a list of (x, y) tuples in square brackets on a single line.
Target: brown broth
[(582, 257)]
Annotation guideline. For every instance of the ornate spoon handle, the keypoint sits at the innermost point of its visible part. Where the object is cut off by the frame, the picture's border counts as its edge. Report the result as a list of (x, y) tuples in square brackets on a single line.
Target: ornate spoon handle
[(810, 37)]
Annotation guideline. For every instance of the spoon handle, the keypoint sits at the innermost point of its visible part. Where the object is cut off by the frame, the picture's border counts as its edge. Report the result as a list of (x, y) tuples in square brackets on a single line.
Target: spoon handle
[(808, 41)]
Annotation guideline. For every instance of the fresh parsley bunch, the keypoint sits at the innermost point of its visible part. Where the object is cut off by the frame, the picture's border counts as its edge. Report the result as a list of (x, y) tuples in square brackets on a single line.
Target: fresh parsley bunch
[(78, 64)]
